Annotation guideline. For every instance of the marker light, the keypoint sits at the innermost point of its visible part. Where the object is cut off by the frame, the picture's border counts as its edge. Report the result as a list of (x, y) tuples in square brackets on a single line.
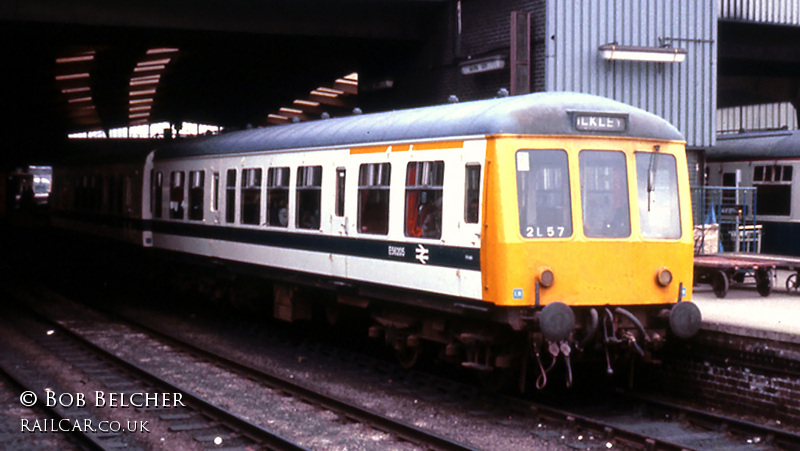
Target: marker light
[(664, 276), (546, 277)]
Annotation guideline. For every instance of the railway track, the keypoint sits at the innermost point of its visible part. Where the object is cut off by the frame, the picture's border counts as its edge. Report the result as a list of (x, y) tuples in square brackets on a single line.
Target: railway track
[(193, 422), (392, 433), (640, 422), (633, 421), (624, 423), (13, 416)]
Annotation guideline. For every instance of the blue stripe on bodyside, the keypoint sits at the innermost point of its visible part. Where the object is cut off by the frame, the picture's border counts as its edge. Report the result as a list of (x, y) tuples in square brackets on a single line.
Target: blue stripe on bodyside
[(446, 256), (437, 255)]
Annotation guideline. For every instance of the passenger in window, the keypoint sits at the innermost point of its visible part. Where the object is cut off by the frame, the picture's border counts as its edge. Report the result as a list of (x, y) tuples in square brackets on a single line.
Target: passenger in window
[(431, 218), (283, 213), (310, 219)]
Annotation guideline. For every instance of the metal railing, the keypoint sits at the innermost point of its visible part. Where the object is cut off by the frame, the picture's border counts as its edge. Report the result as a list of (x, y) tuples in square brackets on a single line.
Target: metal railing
[(725, 220)]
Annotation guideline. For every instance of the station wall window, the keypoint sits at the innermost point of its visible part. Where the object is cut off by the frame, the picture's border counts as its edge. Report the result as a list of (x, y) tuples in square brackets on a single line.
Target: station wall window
[(156, 193), (230, 196), (309, 191), (251, 196), (196, 194), (424, 182), (340, 179), (773, 189), (472, 193), (278, 197), (604, 194), (373, 198), (543, 194), (176, 194)]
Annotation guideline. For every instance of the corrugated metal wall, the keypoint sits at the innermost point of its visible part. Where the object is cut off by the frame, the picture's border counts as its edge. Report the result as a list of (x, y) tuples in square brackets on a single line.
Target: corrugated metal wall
[(683, 93), (786, 12), (757, 117)]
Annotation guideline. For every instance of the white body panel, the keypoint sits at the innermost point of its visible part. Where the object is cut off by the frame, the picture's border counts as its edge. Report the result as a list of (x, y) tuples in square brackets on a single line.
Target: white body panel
[(415, 274)]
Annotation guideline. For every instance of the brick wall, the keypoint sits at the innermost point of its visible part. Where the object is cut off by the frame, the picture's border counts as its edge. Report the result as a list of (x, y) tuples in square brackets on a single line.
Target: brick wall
[(486, 31), (433, 73), (756, 377)]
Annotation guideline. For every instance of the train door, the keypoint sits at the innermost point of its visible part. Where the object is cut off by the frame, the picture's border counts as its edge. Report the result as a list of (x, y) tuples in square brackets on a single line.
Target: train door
[(213, 198), (339, 219)]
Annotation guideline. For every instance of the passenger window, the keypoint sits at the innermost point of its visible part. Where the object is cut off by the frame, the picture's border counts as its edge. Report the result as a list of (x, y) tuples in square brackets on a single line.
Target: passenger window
[(156, 194), (543, 194), (424, 181), (230, 196), (472, 194), (251, 196), (373, 198), (773, 190), (196, 193), (176, 195), (604, 194), (278, 197), (340, 179), (309, 186)]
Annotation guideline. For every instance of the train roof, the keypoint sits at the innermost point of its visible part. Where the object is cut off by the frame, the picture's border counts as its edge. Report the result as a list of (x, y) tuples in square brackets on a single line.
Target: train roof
[(767, 145), (551, 113)]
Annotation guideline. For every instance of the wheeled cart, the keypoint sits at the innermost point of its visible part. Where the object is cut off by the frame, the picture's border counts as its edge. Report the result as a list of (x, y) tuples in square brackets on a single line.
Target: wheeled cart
[(719, 270)]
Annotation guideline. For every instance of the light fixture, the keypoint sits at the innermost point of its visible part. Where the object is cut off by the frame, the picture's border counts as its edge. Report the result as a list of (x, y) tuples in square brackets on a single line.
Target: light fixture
[(616, 52)]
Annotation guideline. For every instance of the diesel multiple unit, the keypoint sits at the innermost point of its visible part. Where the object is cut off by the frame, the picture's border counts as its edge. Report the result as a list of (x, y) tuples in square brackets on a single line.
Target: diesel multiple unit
[(500, 230)]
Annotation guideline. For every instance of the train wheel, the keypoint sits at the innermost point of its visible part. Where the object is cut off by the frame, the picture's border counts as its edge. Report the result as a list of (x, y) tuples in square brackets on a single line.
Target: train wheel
[(719, 283), (763, 282), (792, 283), (407, 356)]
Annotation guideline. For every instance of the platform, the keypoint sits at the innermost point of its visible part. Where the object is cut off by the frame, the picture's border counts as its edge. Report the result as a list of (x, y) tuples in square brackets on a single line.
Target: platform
[(745, 312)]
